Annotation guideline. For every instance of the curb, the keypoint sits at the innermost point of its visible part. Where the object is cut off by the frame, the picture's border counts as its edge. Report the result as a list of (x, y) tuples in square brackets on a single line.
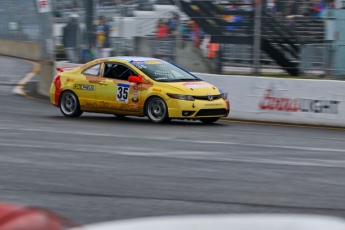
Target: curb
[(18, 89)]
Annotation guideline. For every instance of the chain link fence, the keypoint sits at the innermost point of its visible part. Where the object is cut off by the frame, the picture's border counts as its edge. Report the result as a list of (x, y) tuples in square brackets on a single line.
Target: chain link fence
[(292, 32), (20, 20)]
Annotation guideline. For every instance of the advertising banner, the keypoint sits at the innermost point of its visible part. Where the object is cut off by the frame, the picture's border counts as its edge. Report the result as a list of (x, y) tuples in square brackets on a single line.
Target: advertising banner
[(298, 101)]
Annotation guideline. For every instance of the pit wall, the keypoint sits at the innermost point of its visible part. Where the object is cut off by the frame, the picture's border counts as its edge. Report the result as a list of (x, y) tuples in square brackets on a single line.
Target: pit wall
[(294, 101)]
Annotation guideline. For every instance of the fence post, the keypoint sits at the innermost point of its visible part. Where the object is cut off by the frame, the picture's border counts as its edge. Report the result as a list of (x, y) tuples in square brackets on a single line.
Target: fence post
[(89, 22), (220, 59), (257, 37)]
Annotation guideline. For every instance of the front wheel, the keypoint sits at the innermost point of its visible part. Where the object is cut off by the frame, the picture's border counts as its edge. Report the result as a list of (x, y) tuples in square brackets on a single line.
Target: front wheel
[(209, 120), (69, 104), (157, 111)]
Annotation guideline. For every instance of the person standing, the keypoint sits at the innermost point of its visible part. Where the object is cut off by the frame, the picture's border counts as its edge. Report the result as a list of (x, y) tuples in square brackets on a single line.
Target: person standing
[(102, 38), (71, 38)]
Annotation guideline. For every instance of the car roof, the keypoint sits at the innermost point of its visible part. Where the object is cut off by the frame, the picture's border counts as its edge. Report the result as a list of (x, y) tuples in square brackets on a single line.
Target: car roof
[(135, 58)]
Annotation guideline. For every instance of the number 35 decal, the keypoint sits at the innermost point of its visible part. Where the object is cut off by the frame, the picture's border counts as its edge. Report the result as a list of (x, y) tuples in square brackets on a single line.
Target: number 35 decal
[(122, 92)]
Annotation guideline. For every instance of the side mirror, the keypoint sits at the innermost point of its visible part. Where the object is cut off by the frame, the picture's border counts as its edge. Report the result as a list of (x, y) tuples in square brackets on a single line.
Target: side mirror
[(135, 79)]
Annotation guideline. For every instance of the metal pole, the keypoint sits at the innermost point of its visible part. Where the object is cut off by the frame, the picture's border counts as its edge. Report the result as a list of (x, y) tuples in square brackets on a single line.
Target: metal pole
[(257, 37), (46, 36), (89, 21)]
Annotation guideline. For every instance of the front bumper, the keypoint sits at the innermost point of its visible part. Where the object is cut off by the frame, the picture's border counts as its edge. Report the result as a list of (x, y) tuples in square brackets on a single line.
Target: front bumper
[(198, 108)]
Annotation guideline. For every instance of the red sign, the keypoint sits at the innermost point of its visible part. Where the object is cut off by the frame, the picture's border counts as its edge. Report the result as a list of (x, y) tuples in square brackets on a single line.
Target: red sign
[(43, 6), (43, 3), (270, 102)]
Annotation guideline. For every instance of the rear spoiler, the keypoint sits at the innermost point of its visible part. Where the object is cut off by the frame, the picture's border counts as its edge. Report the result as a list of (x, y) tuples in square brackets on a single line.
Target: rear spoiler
[(60, 69)]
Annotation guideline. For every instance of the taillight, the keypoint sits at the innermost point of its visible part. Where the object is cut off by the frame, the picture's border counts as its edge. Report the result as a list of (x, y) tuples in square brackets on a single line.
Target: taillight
[(57, 81)]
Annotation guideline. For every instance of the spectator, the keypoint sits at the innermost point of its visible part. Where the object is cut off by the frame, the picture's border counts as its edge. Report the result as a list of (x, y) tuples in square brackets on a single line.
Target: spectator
[(102, 38), (173, 24), (71, 36), (162, 29), (319, 6), (182, 30), (196, 33)]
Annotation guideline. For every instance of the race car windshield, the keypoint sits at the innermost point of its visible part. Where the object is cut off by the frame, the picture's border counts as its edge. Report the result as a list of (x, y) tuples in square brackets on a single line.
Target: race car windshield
[(163, 71)]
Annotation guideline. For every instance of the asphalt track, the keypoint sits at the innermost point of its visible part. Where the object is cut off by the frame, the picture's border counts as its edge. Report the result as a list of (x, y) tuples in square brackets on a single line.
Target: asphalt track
[(98, 167)]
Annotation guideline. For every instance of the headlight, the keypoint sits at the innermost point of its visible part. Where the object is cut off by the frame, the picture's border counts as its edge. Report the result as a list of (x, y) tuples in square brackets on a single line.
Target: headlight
[(181, 97), (224, 96)]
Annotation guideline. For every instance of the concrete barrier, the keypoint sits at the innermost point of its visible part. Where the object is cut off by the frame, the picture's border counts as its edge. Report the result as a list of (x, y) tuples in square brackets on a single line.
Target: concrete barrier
[(296, 101), (48, 72), (20, 49), (46, 76)]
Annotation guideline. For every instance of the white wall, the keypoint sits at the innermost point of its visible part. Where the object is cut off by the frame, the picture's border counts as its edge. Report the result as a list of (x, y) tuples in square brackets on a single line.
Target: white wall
[(315, 102)]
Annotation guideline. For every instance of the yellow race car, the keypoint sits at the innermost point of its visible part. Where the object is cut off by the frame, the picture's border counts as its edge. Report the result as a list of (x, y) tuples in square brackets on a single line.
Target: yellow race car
[(137, 86)]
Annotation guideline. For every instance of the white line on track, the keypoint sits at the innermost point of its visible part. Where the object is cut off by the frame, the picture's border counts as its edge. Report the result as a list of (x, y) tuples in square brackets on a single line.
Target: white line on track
[(163, 138), (147, 152)]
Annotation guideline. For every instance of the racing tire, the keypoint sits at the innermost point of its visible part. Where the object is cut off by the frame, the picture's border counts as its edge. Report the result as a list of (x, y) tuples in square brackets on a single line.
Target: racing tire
[(209, 120), (69, 104), (156, 110)]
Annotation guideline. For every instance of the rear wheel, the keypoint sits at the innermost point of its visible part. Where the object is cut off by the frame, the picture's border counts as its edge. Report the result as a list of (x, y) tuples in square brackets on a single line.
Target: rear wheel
[(157, 110), (69, 104), (209, 120)]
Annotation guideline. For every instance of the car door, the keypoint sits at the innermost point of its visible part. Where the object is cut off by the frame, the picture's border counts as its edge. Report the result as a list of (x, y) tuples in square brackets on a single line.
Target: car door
[(114, 92), (85, 87)]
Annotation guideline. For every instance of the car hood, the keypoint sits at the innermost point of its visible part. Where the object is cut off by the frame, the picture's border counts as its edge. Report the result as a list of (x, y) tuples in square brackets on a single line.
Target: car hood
[(199, 88)]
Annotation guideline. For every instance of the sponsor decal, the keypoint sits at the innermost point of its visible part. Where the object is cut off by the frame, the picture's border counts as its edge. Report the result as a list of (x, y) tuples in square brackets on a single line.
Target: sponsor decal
[(141, 66), (196, 85), (135, 94), (319, 106), (153, 62), (270, 102), (83, 87), (122, 91), (156, 90), (137, 62), (136, 87), (218, 104), (70, 80), (135, 99)]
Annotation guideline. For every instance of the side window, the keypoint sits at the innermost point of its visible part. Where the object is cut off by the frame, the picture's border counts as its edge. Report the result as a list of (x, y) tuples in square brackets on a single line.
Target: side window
[(93, 70), (117, 71), (108, 69)]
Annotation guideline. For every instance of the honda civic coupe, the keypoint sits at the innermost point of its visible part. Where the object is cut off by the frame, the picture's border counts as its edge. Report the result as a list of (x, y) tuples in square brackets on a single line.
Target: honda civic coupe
[(137, 86)]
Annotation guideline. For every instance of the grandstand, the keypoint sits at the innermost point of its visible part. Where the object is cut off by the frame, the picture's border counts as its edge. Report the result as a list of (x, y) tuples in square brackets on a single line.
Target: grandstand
[(228, 22)]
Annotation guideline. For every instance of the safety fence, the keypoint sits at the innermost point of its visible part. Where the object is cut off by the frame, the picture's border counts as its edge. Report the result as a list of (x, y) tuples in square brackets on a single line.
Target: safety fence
[(291, 38)]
